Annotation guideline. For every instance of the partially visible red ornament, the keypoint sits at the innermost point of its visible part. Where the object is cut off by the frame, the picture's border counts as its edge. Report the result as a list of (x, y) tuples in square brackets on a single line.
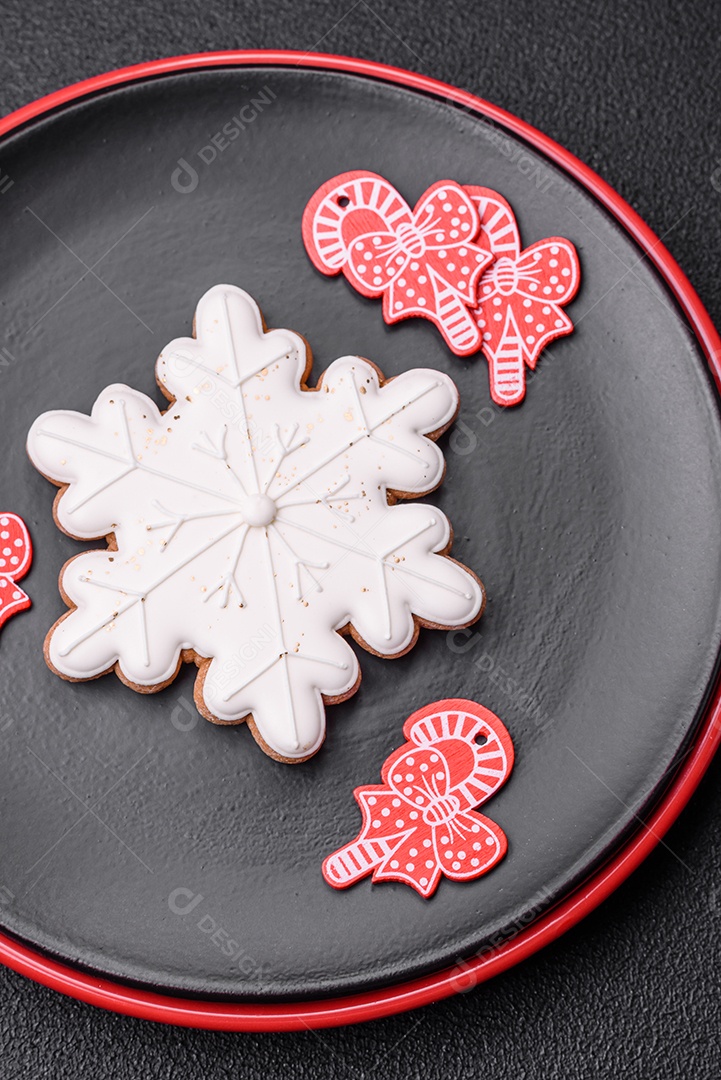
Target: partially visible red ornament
[(16, 556)]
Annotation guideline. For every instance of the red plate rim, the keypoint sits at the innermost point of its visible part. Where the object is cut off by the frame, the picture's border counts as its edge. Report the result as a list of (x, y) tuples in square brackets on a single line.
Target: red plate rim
[(528, 939)]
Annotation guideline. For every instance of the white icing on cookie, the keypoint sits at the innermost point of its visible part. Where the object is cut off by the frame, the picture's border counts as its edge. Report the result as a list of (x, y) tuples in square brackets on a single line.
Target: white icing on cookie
[(252, 523)]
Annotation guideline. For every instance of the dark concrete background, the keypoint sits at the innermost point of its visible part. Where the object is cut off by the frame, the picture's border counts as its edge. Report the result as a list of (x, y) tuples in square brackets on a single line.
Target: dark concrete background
[(632, 90)]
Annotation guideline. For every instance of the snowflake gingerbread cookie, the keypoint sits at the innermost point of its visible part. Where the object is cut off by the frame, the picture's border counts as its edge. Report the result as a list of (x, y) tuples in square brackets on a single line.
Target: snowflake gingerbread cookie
[(252, 524)]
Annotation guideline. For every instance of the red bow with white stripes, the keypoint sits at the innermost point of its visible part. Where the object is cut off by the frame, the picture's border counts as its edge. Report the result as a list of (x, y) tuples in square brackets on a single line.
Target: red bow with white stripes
[(420, 823), (421, 261), (455, 259), (16, 556)]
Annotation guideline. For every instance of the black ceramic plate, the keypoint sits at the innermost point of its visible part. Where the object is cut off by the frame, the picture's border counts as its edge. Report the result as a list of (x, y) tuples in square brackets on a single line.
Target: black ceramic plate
[(590, 512)]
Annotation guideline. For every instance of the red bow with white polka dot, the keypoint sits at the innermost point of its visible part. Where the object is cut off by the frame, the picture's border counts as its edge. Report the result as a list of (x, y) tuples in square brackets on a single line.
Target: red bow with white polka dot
[(421, 261), (455, 259), (16, 556), (520, 296), (420, 823)]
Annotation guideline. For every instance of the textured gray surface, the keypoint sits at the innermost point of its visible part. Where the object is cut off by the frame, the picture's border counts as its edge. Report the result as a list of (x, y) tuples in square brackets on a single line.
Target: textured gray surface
[(632, 991)]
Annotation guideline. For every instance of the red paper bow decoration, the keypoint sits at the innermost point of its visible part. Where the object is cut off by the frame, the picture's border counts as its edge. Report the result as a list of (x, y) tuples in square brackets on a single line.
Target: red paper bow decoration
[(420, 822), (16, 556), (428, 262), (520, 296), (421, 261)]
